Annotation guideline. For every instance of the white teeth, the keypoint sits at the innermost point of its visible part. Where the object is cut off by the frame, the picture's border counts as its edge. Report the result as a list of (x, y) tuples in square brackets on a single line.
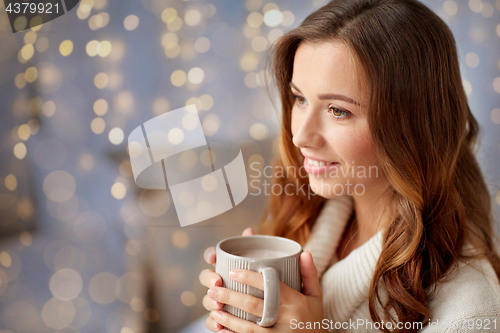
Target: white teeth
[(317, 163)]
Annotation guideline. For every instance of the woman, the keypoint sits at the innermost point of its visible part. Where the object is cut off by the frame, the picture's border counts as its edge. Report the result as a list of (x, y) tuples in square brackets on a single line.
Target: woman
[(400, 226)]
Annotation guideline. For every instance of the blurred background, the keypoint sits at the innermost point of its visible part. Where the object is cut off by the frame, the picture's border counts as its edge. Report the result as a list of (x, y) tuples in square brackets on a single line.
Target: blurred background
[(82, 248)]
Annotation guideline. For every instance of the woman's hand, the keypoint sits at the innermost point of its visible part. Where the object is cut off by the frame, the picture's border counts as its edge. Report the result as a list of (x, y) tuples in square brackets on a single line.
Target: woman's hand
[(211, 279), (295, 307)]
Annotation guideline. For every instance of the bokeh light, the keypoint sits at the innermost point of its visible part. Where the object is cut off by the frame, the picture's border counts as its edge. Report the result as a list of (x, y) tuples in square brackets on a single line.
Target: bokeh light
[(496, 84), (104, 49), (255, 19), (178, 78), (102, 288), (175, 135), (59, 186), (31, 74), (202, 45), (131, 22), (42, 44), (27, 52), (259, 131), (20, 150), (472, 59), (101, 107), (87, 161), (10, 182), (273, 18), (467, 87), (98, 125), (66, 284), (450, 8), (495, 116), (25, 238), (116, 136), (66, 47), (188, 298), (160, 105), (101, 80), (118, 190), (192, 17), (211, 124), (196, 75)]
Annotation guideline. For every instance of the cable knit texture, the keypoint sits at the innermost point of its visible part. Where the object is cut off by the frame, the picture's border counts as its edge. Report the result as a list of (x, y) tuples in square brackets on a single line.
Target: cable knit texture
[(468, 300)]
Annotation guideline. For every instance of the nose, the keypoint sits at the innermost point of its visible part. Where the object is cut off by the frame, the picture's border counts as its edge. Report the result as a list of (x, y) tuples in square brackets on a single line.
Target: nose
[(307, 127)]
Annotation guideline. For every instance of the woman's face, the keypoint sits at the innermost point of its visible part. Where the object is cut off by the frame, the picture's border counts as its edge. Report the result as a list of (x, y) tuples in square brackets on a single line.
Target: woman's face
[(329, 120)]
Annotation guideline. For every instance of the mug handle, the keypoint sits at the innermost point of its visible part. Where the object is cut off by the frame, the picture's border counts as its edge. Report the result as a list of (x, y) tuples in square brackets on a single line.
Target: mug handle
[(271, 296)]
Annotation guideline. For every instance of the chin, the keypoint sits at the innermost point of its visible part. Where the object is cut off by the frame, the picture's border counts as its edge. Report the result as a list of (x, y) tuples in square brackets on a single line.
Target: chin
[(333, 189), (325, 189)]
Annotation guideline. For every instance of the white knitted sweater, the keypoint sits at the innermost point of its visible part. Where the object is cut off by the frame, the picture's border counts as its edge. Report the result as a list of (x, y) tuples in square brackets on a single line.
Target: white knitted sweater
[(467, 301)]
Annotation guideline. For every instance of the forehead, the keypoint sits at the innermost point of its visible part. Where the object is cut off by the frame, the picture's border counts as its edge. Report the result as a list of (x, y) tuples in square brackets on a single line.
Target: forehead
[(329, 67)]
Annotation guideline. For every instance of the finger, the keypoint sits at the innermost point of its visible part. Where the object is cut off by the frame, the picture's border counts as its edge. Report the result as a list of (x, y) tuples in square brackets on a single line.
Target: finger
[(256, 280), (210, 304), (248, 232), (209, 278), (209, 255), (309, 274), (212, 325), (234, 323), (251, 278), (245, 302)]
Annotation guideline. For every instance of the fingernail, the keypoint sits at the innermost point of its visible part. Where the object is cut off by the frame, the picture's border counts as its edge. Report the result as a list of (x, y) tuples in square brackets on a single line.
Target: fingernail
[(215, 303), (233, 274), (208, 253), (213, 281), (212, 293), (216, 315)]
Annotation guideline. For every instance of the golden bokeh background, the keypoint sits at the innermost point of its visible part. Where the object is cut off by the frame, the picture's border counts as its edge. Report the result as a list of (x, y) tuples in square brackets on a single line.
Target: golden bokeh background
[(82, 248)]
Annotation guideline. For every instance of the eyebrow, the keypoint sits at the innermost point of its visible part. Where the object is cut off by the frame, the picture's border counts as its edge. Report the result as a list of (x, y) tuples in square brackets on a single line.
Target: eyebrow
[(330, 96)]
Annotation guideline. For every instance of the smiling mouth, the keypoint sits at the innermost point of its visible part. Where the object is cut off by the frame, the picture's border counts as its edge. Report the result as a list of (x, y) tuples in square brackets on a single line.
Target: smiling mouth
[(317, 163)]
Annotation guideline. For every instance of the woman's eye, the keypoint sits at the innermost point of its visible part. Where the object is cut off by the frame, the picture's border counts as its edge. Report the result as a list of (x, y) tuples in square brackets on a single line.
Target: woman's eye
[(338, 113), (300, 100)]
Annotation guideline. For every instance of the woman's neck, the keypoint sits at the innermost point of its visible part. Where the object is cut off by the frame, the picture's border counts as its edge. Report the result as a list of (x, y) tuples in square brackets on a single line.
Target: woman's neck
[(370, 215)]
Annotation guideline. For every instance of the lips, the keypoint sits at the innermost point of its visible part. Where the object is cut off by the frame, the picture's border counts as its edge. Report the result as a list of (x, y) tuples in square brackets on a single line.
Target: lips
[(314, 167)]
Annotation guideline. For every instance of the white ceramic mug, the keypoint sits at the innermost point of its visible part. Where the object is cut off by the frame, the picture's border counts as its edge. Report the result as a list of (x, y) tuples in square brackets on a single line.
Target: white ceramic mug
[(277, 258)]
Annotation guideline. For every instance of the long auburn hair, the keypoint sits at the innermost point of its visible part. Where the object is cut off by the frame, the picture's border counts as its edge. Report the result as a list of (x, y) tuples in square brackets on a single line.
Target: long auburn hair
[(424, 135)]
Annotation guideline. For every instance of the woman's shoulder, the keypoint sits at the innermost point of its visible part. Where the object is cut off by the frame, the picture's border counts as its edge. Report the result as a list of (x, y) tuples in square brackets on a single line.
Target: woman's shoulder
[(468, 296)]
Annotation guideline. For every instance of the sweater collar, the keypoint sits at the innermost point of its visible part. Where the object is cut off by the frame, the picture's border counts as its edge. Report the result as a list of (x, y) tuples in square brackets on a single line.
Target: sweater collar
[(345, 283), (327, 230)]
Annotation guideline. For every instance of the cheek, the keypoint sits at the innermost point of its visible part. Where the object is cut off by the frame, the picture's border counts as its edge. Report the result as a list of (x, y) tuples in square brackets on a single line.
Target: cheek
[(355, 149), (295, 121)]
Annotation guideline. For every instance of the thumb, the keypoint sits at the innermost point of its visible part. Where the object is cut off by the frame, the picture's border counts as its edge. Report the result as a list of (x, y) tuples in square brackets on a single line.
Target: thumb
[(309, 274)]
